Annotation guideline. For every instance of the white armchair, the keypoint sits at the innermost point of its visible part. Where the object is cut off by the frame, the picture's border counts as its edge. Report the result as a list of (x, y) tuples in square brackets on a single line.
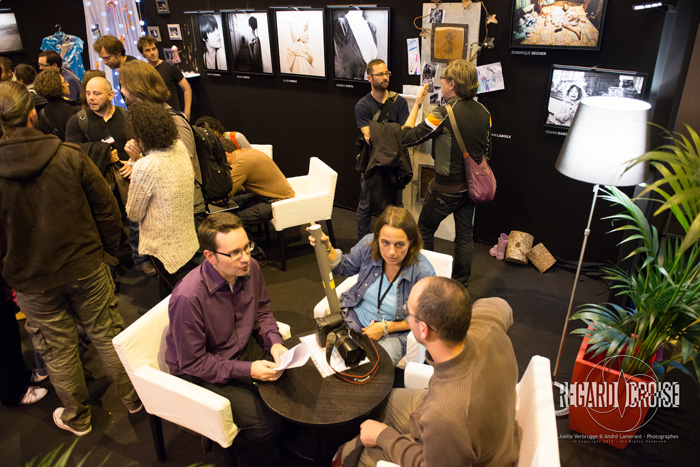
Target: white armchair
[(141, 349), (534, 411), (414, 351), (312, 202), (264, 148)]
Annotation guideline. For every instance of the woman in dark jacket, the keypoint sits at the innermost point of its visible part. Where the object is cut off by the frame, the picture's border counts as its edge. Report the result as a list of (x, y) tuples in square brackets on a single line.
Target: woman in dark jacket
[(53, 118)]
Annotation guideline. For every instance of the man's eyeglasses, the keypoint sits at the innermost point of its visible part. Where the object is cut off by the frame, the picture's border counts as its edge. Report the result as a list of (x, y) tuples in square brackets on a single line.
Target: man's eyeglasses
[(236, 254), (381, 75), (407, 313), (446, 78), (43, 65)]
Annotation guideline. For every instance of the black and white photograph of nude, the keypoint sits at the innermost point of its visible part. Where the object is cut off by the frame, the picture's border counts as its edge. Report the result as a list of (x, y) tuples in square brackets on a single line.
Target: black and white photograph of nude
[(359, 36), (249, 33), (571, 84), (430, 70), (300, 38), (212, 36)]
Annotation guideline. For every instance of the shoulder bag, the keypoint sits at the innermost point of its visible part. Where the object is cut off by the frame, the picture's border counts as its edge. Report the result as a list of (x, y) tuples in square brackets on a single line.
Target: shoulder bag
[(481, 182)]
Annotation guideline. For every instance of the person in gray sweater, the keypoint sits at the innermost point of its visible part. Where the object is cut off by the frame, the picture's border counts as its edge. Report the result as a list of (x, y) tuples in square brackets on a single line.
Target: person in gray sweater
[(467, 415)]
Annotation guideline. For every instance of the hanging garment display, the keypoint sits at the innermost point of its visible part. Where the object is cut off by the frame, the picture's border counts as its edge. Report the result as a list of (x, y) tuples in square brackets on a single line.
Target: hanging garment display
[(69, 47)]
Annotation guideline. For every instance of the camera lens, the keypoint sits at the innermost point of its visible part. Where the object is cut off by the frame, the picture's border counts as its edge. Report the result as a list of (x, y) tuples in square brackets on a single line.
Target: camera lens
[(349, 349)]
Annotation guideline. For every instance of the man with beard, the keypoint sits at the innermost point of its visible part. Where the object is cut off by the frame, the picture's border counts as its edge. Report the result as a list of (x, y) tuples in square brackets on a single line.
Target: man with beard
[(380, 105)]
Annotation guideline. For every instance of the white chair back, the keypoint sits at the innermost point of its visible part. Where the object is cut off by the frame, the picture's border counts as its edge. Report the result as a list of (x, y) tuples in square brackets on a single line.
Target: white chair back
[(264, 148), (534, 414)]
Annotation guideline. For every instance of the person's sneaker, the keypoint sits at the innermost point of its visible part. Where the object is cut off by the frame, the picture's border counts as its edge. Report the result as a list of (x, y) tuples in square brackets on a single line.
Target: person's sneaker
[(136, 410), (59, 423), (33, 394), (147, 269), (36, 377)]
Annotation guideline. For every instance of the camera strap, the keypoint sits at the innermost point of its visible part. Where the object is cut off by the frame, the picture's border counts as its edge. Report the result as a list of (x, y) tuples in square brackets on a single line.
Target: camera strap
[(354, 379)]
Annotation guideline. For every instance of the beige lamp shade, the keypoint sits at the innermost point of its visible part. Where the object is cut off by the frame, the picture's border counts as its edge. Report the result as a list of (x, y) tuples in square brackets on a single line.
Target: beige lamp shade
[(605, 135)]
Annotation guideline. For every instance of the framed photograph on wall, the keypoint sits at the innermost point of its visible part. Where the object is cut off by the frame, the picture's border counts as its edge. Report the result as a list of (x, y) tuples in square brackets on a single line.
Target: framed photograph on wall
[(167, 54), (360, 35), (576, 24), (449, 42), (249, 39), (174, 32), (300, 38), (10, 38), (568, 85), (155, 32), (162, 7), (211, 33)]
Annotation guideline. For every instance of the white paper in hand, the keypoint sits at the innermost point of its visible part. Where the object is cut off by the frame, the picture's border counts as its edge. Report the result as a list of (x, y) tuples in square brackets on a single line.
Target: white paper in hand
[(294, 357)]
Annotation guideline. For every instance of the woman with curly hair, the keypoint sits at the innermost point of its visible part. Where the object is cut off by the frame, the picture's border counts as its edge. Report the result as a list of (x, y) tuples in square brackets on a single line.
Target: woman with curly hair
[(52, 119), (160, 195)]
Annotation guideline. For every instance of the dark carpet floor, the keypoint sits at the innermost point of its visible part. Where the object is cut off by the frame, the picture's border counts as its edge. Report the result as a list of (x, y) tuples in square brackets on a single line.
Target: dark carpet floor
[(539, 302)]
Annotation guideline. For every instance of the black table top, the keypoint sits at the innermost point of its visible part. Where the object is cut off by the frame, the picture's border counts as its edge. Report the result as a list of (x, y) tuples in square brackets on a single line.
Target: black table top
[(303, 396)]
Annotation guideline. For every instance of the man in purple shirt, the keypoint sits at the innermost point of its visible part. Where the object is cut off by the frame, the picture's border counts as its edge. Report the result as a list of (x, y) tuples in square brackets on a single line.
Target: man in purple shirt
[(222, 333)]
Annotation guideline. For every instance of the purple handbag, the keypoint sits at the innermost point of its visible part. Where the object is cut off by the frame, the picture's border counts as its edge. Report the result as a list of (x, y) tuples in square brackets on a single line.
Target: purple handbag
[(481, 182)]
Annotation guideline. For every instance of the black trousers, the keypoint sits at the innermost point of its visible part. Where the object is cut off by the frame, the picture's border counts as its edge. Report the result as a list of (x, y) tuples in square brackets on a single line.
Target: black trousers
[(257, 444), (14, 375)]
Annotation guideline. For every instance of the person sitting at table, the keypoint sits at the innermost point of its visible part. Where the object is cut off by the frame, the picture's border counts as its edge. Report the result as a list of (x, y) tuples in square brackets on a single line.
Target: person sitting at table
[(374, 306), (467, 414), (222, 334)]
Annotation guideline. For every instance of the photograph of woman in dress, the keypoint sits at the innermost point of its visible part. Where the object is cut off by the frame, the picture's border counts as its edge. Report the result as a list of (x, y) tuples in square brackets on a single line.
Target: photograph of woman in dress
[(301, 42), (214, 52), (250, 42)]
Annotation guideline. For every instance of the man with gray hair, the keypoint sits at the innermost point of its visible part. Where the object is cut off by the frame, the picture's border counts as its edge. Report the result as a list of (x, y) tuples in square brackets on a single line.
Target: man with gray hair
[(467, 414), (448, 192)]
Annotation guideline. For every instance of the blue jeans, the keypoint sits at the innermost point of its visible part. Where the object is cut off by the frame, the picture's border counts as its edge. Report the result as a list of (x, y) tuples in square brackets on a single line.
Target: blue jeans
[(438, 206), (134, 243), (394, 343)]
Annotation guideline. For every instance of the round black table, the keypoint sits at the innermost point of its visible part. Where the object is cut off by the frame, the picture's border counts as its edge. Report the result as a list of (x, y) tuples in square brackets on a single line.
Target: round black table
[(303, 396)]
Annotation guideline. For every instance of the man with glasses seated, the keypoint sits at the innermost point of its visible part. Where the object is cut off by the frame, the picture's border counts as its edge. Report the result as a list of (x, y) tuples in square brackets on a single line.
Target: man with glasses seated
[(467, 414), (380, 105), (223, 336)]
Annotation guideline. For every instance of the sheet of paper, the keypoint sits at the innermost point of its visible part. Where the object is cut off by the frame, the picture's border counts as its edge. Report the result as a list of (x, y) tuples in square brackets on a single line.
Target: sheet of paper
[(318, 356), (413, 56), (294, 357)]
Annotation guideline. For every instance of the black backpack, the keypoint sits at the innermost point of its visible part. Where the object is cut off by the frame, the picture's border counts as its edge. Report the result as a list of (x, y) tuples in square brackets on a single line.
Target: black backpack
[(216, 173)]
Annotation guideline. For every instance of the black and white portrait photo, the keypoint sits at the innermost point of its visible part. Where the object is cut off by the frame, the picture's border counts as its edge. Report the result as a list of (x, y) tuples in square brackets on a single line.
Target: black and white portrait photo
[(436, 15), (162, 7), (571, 84), (174, 32), (155, 32), (428, 77), (250, 42), (212, 36), (300, 41), (359, 36)]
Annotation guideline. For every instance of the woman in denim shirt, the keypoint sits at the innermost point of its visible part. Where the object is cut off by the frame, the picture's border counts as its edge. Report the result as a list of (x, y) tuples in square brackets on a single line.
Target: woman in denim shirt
[(388, 263)]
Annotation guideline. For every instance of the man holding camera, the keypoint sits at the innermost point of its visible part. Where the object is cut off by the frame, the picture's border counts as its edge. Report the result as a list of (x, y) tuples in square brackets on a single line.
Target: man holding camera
[(467, 415), (101, 133), (222, 334)]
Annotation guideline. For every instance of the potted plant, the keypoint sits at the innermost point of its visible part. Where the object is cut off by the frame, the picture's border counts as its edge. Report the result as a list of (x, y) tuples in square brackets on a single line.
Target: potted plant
[(663, 288)]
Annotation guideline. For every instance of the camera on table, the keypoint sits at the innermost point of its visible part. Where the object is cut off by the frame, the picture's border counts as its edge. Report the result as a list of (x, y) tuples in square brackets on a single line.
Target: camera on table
[(332, 331)]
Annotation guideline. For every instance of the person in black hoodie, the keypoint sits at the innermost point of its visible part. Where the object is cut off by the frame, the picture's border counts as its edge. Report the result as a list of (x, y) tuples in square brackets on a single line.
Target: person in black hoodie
[(57, 219), (53, 118)]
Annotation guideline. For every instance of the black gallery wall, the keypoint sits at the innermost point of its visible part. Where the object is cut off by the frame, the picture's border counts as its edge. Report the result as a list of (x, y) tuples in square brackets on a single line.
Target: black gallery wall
[(305, 117)]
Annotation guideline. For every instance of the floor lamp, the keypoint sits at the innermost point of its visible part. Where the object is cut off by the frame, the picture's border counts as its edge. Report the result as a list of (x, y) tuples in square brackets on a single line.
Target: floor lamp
[(605, 135)]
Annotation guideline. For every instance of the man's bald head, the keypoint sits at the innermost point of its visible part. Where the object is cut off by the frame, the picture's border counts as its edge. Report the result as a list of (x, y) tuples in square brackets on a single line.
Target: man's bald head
[(99, 94), (99, 82)]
